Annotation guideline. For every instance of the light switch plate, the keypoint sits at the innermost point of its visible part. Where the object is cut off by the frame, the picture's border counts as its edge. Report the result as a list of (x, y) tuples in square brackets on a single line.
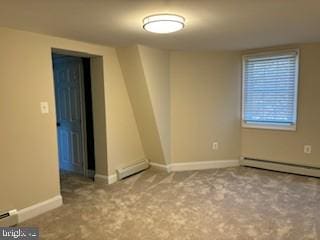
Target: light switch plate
[(44, 106)]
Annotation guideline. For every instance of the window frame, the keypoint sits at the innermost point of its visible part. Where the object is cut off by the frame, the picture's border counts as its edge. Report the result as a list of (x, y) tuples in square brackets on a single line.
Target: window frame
[(271, 126)]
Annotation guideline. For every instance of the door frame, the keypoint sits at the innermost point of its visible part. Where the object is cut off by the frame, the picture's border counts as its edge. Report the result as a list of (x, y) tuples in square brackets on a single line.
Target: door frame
[(82, 106)]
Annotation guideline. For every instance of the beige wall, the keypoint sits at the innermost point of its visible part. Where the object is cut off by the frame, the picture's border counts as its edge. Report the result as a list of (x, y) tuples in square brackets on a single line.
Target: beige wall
[(99, 115), (205, 105), (123, 140), (183, 101), (28, 142), (287, 146), (139, 93), (155, 64), (28, 146)]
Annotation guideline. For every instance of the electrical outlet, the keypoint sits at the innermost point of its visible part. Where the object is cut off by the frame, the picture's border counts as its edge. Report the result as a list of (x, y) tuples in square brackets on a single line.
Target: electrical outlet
[(44, 107), (215, 146), (307, 149)]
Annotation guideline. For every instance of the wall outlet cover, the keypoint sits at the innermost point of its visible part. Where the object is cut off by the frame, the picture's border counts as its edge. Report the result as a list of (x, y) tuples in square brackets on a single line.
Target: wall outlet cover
[(44, 107), (307, 149), (215, 146)]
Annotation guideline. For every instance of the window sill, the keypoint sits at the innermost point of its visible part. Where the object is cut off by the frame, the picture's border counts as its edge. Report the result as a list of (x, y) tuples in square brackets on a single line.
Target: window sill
[(269, 127)]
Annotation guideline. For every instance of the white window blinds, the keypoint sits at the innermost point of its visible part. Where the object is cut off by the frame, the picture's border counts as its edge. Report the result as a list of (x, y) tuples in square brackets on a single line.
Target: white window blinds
[(270, 88)]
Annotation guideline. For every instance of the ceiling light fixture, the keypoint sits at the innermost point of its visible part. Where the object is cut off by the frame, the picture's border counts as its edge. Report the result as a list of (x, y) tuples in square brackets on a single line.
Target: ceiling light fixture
[(163, 23)]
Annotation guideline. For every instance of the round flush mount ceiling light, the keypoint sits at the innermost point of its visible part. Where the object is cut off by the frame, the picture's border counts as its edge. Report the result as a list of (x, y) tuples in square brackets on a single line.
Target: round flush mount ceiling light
[(163, 23)]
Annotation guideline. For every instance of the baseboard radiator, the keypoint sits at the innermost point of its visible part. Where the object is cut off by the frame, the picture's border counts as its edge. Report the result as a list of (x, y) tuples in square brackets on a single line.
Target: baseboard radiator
[(128, 171), (9, 219), (280, 167)]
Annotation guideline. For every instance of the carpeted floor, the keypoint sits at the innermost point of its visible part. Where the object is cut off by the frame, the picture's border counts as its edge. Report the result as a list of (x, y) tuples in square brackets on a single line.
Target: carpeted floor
[(234, 203)]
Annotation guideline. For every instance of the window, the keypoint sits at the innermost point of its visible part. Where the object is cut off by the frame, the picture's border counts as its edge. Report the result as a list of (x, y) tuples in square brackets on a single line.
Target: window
[(270, 89)]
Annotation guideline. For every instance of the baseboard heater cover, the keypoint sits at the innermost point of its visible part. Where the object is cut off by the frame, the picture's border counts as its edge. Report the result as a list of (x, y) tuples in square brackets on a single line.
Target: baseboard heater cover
[(281, 167), (9, 219), (128, 171)]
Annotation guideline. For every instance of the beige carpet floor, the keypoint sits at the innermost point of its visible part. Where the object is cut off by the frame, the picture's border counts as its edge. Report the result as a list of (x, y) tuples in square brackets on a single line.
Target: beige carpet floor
[(234, 203)]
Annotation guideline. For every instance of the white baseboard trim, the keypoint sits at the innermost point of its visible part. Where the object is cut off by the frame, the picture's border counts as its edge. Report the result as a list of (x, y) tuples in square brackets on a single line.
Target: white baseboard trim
[(100, 178), (105, 179), (201, 165), (160, 166), (39, 208), (112, 178)]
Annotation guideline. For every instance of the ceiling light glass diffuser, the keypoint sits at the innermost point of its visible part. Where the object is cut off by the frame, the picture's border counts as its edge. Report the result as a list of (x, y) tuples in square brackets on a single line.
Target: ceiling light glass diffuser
[(163, 23)]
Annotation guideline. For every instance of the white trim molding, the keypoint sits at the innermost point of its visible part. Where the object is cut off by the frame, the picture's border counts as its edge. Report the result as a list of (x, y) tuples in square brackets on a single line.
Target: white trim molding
[(201, 165), (100, 178), (112, 178), (39, 208), (160, 166), (105, 179)]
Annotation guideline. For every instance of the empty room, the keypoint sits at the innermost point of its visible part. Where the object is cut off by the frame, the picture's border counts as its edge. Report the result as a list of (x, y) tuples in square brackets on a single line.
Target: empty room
[(160, 119)]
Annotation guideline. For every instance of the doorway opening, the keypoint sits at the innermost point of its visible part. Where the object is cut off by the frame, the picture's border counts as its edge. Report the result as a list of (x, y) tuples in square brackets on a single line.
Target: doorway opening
[(74, 114)]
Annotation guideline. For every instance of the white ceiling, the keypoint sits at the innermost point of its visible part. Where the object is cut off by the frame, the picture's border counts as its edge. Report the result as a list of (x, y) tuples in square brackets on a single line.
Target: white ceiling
[(210, 24)]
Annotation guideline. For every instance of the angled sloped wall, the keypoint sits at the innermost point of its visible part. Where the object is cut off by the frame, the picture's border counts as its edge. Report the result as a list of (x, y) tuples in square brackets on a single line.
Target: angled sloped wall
[(155, 65), (140, 96)]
